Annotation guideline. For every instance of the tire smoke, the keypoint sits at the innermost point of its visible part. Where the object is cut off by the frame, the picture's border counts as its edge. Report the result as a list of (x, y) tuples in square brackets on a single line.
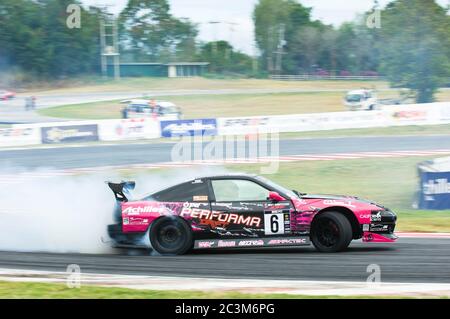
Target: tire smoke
[(41, 211)]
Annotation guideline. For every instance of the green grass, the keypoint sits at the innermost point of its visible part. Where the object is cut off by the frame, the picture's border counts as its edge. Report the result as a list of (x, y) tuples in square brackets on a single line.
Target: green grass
[(226, 105), (23, 290), (95, 84)]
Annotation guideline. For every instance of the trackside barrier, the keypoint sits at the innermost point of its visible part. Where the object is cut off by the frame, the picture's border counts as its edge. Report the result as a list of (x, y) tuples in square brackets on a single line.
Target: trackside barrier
[(398, 115), (20, 136), (150, 128), (129, 129)]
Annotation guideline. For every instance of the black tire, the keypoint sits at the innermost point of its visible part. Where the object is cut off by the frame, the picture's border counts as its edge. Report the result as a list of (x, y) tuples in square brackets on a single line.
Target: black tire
[(331, 232), (171, 236)]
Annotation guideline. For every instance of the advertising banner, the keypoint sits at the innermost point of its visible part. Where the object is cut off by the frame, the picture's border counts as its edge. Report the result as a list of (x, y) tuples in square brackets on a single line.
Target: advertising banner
[(435, 190), (20, 136), (69, 134), (129, 129), (392, 115), (189, 127)]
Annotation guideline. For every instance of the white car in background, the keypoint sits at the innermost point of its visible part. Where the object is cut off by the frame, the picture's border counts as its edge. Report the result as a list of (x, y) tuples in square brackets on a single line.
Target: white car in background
[(141, 108), (361, 100)]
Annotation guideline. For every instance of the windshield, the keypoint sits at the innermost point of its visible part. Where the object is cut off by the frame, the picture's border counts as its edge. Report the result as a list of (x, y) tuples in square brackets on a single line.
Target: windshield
[(353, 98), (276, 186)]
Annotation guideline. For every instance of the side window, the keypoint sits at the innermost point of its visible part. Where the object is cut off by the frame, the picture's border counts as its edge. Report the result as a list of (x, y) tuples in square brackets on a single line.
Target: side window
[(196, 191), (227, 190)]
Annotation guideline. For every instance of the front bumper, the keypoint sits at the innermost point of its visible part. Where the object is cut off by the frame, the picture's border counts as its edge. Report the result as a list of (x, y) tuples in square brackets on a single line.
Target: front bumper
[(381, 227)]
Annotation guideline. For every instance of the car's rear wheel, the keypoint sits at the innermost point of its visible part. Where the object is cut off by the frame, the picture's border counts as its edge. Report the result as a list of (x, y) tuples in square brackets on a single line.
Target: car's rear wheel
[(171, 236), (331, 232)]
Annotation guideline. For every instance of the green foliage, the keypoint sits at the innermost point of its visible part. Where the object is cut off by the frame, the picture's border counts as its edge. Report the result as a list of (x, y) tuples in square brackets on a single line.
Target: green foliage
[(224, 59), (416, 46), (35, 37), (150, 33)]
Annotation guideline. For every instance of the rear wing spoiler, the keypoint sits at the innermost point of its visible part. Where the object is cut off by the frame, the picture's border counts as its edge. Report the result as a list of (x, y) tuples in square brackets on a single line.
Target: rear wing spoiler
[(120, 189)]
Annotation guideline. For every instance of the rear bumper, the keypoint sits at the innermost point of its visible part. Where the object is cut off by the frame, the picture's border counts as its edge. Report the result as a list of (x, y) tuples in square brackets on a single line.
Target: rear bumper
[(128, 240)]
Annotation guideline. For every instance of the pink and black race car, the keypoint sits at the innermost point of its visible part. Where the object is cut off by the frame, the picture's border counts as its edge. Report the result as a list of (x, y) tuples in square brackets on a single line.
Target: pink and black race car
[(243, 211)]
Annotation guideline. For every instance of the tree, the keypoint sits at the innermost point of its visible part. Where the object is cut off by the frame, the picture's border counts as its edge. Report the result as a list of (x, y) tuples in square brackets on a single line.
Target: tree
[(150, 32), (415, 46), (275, 20), (224, 59), (34, 37)]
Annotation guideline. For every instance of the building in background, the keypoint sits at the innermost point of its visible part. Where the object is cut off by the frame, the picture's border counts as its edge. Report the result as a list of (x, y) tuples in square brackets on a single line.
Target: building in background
[(171, 70)]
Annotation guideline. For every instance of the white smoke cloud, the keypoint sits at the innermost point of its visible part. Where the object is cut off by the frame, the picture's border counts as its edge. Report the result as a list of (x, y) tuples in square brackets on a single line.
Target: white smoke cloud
[(68, 214)]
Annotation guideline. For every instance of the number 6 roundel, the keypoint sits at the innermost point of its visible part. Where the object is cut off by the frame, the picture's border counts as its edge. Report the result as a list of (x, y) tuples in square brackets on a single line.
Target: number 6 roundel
[(273, 224)]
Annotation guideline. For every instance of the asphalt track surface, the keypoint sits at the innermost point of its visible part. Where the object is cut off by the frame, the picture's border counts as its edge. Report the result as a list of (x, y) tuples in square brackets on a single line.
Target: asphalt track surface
[(146, 153), (410, 260)]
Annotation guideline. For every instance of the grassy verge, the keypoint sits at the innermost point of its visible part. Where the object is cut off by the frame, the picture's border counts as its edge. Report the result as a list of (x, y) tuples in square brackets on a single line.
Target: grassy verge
[(392, 182), (21, 290), (376, 131), (226, 105), (95, 84), (223, 105)]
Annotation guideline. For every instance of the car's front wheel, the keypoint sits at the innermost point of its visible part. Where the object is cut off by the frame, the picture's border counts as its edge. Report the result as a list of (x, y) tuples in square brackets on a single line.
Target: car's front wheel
[(171, 236), (331, 232)]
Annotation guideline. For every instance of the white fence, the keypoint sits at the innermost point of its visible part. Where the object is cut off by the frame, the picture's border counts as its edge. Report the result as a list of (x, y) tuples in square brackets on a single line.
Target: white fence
[(398, 115), (308, 77), (149, 128)]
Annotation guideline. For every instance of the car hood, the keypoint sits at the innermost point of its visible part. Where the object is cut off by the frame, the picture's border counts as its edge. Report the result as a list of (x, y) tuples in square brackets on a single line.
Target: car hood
[(342, 198)]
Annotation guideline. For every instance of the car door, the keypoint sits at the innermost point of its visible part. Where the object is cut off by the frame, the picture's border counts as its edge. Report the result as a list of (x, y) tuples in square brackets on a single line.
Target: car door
[(244, 210)]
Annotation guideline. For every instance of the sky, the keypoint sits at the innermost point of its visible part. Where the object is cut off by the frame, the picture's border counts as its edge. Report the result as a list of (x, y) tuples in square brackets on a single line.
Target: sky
[(236, 16)]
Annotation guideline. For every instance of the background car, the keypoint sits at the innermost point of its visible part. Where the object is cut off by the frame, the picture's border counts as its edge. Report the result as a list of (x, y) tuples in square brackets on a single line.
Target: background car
[(7, 95), (361, 100), (151, 108)]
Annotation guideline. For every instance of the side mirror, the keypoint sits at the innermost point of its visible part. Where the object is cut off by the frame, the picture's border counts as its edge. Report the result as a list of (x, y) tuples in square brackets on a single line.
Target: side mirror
[(275, 197)]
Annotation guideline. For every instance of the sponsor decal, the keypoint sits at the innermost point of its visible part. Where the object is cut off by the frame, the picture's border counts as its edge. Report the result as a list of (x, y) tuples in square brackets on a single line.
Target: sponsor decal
[(437, 186), (192, 205), (278, 241), (246, 243), (368, 237), (366, 227), (136, 210), (379, 228), (126, 221), (226, 243), (338, 202), (205, 214), (203, 198), (68, 134), (288, 241), (376, 217), (205, 244), (189, 127)]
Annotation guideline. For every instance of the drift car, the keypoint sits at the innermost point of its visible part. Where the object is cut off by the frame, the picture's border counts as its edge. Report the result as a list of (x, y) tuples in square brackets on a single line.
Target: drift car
[(243, 211)]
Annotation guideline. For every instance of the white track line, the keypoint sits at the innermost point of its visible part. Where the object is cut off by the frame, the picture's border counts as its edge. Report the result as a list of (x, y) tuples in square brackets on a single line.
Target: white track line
[(314, 288), (20, 177)]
